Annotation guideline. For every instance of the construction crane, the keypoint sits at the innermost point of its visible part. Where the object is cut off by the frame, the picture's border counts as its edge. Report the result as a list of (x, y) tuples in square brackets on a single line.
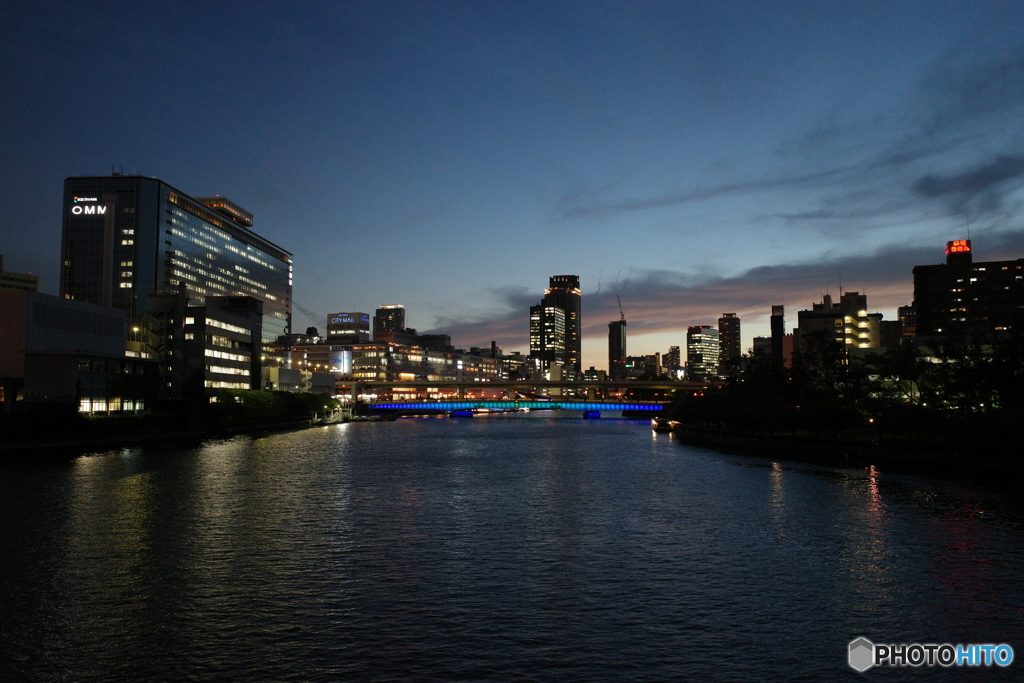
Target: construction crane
[(622, 316)]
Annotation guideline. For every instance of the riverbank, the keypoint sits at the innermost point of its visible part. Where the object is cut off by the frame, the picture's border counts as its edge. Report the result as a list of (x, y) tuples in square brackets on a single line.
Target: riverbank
[(844, 454)]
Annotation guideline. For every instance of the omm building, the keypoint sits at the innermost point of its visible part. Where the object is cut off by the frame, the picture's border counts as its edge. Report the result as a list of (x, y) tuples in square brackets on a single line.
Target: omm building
[(127, 237)]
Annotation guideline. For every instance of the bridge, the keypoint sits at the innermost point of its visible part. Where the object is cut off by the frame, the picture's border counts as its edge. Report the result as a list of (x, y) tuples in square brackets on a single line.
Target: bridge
[(515, 388), (554, 404), (515, 395)]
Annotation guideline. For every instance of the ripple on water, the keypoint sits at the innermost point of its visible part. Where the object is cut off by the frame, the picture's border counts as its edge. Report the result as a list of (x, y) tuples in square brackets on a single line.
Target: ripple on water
[(487, 548)]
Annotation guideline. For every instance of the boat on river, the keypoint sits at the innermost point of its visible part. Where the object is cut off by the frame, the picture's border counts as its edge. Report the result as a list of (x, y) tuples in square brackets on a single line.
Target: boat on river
[(662, 425)]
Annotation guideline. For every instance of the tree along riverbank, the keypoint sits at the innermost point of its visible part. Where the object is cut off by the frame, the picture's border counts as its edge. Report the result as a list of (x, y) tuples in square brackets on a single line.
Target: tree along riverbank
[(50, 427), (956, 402)]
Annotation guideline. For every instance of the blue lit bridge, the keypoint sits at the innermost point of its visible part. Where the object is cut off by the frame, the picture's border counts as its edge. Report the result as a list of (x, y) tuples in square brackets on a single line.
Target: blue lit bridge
[(518, 395), (554, 404)]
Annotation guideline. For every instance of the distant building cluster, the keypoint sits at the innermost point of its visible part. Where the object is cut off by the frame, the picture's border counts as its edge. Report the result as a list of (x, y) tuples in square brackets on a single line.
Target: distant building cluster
[(166, 297)]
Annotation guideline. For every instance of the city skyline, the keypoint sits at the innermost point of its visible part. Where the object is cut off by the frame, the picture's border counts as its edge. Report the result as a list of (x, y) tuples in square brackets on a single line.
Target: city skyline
[(693, 160)]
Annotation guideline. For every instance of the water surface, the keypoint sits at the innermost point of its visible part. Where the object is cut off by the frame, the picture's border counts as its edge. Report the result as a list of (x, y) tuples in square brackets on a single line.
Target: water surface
[(490, 548)]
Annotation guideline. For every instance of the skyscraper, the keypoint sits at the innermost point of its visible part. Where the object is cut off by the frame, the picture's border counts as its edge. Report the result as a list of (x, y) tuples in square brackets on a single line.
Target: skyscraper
[(547, 334), (389, 319), (672, 362), (702, 352), (778, 327), (729, 339), (617, 349), (564, 291), (127, 237)]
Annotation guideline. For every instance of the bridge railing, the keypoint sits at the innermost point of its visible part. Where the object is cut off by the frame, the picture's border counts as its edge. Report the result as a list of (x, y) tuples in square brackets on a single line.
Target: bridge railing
[(554, 404)]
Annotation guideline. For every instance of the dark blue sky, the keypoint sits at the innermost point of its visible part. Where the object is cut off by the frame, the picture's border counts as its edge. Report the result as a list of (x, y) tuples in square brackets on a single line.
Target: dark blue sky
[(695, 158)]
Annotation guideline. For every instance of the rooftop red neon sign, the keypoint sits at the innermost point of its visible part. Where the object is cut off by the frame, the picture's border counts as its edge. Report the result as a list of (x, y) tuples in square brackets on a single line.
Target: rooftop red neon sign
[(958, 247)]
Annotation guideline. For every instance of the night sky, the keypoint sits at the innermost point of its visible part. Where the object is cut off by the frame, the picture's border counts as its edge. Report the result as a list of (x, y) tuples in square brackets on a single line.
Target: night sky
[(694, 158)]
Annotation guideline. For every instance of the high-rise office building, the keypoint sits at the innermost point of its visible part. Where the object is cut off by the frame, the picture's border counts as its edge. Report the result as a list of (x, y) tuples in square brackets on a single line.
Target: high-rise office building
[(962, 296), (127, 237), (729, 350), (348, 328), (564, 291), (702, 346), (908, 321), (673, 362), (617, 349), (778, 328), (389, 319), (547, 334)]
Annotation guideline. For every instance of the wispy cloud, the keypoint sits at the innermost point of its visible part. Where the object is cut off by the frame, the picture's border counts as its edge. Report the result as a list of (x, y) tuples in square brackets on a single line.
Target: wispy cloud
[(956, 111), (990, 180), (572, 208)]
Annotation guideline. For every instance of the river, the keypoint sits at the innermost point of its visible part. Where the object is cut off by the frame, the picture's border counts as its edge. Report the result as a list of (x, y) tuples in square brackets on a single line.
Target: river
[(492, 548)]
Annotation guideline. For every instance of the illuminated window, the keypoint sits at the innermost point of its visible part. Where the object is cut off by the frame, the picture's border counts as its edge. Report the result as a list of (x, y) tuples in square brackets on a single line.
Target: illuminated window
[(127, 243), (226, 371), (227, 326), (126, 285)]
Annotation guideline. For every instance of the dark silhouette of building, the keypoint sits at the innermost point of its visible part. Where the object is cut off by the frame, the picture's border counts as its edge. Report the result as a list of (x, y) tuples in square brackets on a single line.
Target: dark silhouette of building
[(962, 296), (564, 291), (778, 327), (617, 349), (21, 281), (389, 319), (729, 349), (70, 353), (908, 320), (673, 362)]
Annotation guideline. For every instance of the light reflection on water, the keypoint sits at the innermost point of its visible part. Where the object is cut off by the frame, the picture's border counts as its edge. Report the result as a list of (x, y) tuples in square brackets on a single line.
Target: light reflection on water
[(487, 548)]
